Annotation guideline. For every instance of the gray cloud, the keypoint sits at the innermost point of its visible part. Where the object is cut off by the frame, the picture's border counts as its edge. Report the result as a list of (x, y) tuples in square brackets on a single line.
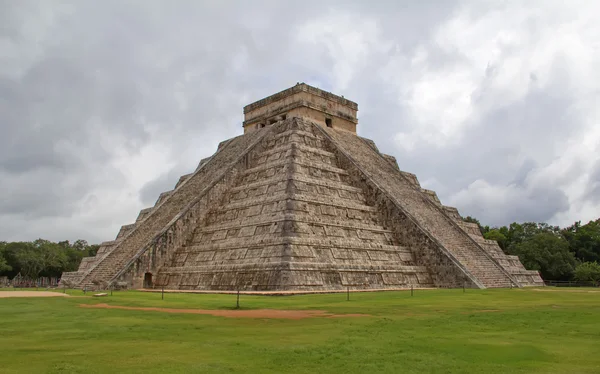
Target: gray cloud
[(103, 105), (593, 184)]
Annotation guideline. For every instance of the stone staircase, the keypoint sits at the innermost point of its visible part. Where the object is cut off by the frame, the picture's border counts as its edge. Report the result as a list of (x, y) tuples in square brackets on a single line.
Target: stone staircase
[(417, 205), (510, 264)]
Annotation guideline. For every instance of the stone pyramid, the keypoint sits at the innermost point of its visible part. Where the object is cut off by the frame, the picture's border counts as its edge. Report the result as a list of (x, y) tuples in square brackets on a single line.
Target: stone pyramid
[(300, 202)]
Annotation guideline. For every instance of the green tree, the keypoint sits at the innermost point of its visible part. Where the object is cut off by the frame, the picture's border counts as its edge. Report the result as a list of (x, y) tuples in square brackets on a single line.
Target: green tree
[(30, 264), (584, 240), (40, 257), (11, 254), (588, 272), (547, 252), (495, 234), (80, 245), (73, 258), (92, 250), (43, 257), (52, 257), (4, 266), (520, 232)]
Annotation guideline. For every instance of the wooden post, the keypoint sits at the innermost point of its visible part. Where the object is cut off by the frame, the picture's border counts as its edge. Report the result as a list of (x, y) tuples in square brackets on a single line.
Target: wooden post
[(237, 304), (411, 290), (162, 294), (463, 286), (348, 293)]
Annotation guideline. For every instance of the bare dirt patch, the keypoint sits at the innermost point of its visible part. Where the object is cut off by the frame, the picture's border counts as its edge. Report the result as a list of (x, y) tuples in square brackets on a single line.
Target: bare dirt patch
[(256, 313), (4, 294), (482, 311)]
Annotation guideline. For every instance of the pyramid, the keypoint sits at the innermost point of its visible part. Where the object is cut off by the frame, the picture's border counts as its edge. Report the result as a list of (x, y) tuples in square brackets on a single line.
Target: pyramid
[(299, 203)]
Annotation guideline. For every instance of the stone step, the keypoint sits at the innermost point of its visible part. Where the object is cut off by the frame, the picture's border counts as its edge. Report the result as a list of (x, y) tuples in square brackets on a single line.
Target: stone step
[(300, 266), (290, 161), (307, 132), (297, 146), (276, 239), (295, 177), (267, 204), (298, 221)]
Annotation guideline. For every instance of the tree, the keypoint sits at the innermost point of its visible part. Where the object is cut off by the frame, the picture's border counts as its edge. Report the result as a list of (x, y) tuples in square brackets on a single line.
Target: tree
[(547, 252), (4, 266), (11, 255), (92, 250), (80, 245), (30, 264), (519, 232), (40, 257), (53, 258), (584, 240), (588, 272), (495, 234)]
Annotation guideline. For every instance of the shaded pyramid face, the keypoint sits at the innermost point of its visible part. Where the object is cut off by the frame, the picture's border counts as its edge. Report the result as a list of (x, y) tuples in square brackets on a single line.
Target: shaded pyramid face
[(296, 206), (293, 221)]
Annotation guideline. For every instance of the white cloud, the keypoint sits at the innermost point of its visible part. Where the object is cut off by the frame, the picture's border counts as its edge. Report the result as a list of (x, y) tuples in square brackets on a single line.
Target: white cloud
[(350, 41)]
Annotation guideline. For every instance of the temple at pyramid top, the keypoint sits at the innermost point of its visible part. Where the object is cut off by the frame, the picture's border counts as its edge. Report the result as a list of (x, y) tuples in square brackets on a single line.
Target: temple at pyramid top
[(302, 100)]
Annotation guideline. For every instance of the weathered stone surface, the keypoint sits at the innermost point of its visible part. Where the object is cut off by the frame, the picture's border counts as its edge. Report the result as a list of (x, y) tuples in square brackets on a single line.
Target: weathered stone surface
[(299, 206), (302, 100)]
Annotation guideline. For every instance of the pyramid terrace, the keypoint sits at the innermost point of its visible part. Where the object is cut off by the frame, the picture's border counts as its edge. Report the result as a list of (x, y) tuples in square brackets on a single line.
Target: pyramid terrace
[(299, 203)]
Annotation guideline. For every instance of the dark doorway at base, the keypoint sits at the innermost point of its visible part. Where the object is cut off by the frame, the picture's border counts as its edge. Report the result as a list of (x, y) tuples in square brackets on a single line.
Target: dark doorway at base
[(148, 280)]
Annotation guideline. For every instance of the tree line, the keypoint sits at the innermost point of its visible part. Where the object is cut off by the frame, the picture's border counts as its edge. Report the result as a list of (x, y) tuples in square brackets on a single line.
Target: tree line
[(42, 258), (570, 253)]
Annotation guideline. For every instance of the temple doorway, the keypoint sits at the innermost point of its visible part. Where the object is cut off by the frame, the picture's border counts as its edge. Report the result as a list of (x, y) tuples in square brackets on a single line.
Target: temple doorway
[(148, 280)]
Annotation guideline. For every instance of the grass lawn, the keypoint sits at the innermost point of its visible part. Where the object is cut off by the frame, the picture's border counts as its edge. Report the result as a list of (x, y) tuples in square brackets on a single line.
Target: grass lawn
[(435, 331)]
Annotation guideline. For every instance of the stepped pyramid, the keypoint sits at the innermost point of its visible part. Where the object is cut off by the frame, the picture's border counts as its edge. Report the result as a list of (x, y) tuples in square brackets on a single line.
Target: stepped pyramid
[(299, 202)]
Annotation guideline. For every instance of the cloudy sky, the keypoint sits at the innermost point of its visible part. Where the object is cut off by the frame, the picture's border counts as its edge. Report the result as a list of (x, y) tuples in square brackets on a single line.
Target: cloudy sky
[(104, 104)]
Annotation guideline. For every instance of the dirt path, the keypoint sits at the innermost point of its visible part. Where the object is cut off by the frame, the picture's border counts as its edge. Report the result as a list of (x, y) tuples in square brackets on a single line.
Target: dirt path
[(4, 294), (256, 313)]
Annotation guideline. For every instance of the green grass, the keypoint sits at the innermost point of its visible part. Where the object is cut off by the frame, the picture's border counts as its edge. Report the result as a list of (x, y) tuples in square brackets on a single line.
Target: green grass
[(436, 331)]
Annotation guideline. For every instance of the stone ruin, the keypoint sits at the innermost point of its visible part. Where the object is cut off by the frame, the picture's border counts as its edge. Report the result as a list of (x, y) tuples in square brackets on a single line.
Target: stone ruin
[(299, 203)]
